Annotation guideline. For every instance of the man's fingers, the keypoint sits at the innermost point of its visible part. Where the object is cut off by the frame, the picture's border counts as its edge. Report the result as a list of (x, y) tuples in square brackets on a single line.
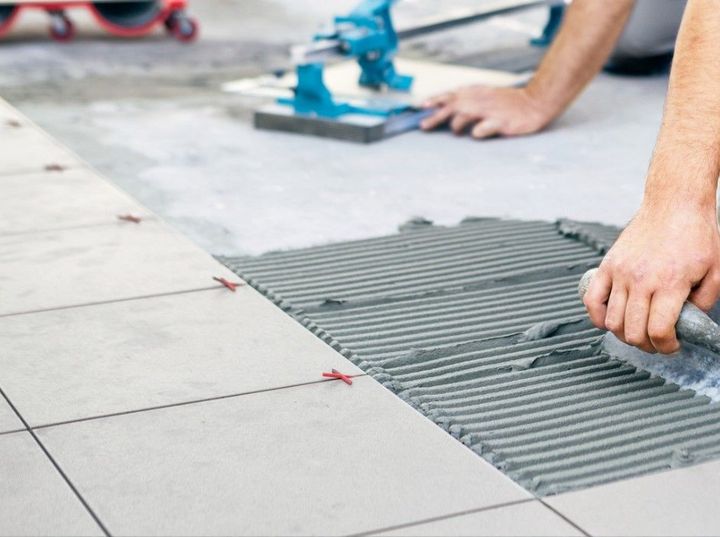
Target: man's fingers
[(664, 312), (437, 119), (616, 306), (637, 313), (460, 122), (706, 293), (596, 298), (438, 100), (485, 129)]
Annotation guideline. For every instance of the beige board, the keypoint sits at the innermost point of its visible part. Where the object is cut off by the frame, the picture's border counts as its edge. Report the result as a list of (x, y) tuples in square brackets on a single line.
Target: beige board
[(430, 78)]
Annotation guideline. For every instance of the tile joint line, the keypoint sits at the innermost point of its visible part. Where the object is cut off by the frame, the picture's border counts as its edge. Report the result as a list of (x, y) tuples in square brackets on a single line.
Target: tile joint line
[(566, 519), (56, 465), (13, 431), (112, 301), (443, 517), (183, 403), (34, 171), (58, 229)]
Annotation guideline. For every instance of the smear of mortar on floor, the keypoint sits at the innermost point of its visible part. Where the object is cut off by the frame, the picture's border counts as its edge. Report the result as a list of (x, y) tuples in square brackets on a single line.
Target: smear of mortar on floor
[(479, 327)]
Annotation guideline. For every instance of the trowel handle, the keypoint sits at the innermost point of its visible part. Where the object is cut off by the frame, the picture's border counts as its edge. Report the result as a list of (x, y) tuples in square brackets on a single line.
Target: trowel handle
[(693, 325), (585, 282)]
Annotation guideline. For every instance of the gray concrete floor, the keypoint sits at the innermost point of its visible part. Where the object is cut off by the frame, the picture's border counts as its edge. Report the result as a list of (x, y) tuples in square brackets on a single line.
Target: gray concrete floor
[(150, 114)]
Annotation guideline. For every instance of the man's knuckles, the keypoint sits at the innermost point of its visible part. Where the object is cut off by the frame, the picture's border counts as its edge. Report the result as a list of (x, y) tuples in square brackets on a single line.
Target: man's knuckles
[(614, 323), (661, 334)]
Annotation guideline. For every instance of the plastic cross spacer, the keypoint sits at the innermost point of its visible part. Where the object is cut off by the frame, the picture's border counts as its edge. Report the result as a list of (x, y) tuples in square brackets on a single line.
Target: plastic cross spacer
[(230, 285), (54, 167), (130, 218), (337, 375)]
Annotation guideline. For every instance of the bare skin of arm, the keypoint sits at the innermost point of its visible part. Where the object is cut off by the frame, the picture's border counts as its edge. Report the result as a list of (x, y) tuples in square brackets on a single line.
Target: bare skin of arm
[(587, 36), (671, 249)]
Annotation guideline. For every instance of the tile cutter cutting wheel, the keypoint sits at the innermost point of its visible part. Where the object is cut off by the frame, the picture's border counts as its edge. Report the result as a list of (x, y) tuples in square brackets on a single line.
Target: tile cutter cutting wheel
[(127, 18), (368, 35)]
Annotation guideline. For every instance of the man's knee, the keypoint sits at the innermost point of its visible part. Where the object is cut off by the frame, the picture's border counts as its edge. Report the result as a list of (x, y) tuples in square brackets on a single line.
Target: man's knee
[(651, 30)]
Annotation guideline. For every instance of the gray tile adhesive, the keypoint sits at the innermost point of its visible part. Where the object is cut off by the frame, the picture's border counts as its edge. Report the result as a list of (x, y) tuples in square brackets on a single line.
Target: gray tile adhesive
[(479, 328)]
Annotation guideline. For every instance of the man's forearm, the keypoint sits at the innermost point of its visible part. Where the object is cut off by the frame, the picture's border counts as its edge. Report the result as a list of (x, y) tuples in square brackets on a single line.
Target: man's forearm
[(686, 161), (585, 40)]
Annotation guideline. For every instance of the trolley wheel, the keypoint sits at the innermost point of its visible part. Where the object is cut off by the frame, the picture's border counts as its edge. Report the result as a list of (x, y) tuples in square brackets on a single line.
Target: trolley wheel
[(182, 27), (62, 28)]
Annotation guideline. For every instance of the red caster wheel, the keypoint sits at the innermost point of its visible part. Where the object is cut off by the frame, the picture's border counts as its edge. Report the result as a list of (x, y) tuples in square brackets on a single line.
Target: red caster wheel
[(182, 27), (62, 28)]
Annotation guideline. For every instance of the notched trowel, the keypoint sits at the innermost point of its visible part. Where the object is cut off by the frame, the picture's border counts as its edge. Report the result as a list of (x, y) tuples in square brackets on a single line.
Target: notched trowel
[(693, 326)]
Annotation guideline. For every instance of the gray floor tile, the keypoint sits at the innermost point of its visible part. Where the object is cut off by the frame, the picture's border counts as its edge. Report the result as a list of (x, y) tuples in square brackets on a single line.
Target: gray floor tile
[(26, 148), (321, 459), (73, 363), (97, 264), (527, 519), (51, 200), (675, 502), (8, 420), (35, 498)]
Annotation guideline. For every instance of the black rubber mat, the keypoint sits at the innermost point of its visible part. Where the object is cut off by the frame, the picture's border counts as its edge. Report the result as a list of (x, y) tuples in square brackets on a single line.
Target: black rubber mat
[(480, 328)]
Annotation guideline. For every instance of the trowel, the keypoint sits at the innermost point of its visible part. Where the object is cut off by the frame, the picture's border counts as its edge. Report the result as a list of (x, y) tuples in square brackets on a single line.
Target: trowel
[(693, 326)]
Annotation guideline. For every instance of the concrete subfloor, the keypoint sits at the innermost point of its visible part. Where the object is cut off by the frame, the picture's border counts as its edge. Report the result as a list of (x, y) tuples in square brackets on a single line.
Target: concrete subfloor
[(151, 115)]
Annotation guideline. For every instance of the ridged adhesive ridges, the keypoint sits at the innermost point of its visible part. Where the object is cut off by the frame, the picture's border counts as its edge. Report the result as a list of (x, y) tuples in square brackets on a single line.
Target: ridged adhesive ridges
[(479, 327)]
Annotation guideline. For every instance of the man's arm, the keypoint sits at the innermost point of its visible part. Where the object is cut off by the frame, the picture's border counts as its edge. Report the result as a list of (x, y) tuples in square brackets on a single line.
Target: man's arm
[(587, 36), (671, 249)]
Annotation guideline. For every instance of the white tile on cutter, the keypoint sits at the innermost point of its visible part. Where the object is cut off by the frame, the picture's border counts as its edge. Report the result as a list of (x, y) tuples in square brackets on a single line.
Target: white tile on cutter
[(675, 502), (35, 498), (321, 459), (50, 200), (97, 264), (81, 362), (24, 147), (530, 519), (430, 78)]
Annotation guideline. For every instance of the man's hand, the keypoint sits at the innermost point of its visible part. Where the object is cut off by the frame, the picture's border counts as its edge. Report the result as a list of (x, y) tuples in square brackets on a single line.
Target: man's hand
[(586, 37), (486, 112), (661, 259), (671, 250)]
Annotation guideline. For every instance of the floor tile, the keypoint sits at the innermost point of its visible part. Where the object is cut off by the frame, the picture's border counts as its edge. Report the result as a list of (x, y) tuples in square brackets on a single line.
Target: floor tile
[(35, 498), (51, 200), (8, 420), (322, 459), (73, 363), (97, 264), (530, 519), (675, 502), (26, 148)]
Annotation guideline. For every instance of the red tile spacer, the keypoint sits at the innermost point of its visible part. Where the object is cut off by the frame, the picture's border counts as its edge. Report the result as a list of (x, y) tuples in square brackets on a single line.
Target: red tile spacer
[(54, 167), (230, 285), (337, 375), (130, 218)]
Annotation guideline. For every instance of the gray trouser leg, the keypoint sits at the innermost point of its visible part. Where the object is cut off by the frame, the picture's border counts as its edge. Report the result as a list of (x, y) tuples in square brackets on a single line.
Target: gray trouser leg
[(651, 29)]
